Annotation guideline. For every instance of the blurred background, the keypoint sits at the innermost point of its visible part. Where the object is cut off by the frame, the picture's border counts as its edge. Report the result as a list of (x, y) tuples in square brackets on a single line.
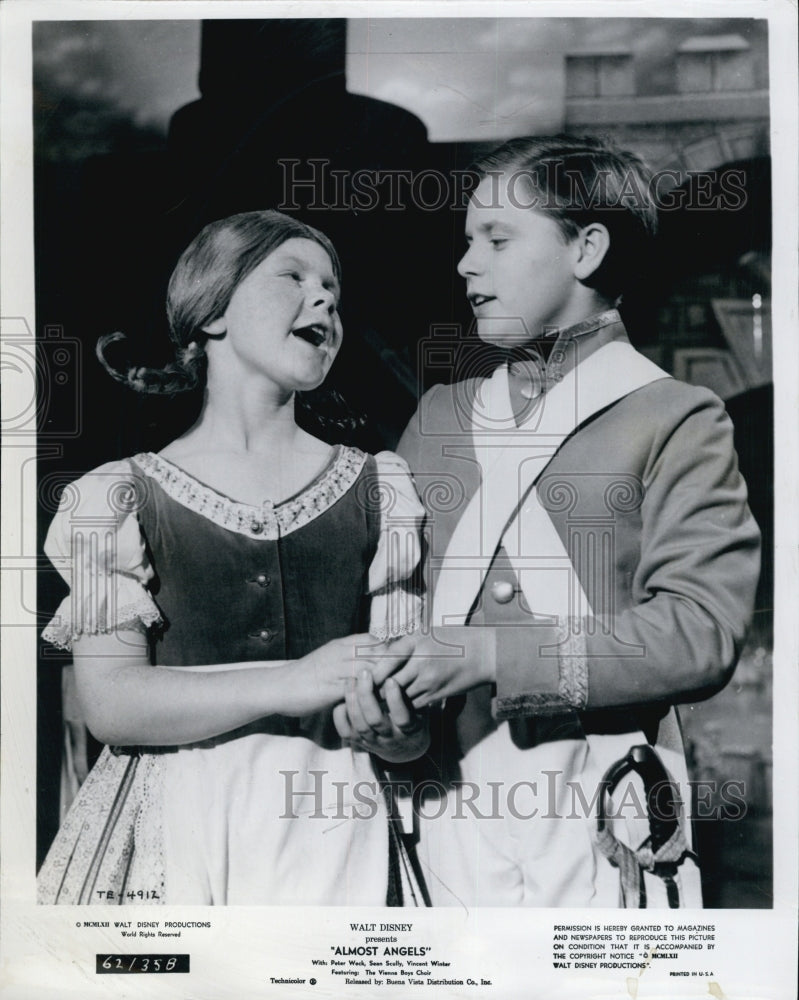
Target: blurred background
[(146, 130)]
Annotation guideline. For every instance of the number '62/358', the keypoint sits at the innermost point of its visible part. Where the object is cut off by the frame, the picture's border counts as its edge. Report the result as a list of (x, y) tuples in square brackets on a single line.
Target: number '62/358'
[(141, 963)]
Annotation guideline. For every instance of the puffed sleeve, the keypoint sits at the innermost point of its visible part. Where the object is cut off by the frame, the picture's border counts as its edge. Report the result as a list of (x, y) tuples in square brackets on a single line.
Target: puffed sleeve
[(396, 602), (95, 542)]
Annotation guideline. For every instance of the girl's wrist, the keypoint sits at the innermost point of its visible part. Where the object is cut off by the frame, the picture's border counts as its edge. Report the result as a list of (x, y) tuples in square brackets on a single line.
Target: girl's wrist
[(284, 691)]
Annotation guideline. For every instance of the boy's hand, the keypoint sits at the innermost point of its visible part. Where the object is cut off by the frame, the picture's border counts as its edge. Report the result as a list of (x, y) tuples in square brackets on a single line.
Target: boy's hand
[(450, 661), (392, 731), (322, 678)]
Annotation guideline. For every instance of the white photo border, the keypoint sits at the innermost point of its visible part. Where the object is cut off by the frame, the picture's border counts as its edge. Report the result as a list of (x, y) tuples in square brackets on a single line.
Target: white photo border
[(254, 952)]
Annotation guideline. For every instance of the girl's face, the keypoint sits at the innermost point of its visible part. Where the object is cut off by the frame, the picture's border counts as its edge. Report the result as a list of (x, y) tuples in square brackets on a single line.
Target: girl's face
[(282, 319)]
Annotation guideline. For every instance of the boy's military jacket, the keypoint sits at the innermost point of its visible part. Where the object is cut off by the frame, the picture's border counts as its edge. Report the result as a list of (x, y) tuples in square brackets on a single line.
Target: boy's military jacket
[(650, 507)]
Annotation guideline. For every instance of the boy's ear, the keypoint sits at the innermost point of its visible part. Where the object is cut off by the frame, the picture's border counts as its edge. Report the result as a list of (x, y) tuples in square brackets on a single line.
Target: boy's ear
[(593, 243), (216, 327)]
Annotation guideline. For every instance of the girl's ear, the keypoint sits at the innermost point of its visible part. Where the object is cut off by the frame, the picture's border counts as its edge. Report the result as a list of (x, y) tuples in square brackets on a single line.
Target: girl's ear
[(593, 243), (216, 327)]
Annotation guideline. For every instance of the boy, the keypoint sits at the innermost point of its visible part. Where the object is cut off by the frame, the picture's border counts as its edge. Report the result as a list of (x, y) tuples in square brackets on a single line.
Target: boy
[(594, 561)]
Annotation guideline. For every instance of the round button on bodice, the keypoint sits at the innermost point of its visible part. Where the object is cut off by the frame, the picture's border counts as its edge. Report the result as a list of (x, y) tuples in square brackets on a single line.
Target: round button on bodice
[(502, 591), (265, 635), (256, 527), (262, 580)]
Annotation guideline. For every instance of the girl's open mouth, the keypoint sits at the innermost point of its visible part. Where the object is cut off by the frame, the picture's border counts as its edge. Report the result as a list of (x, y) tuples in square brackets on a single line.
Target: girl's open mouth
[(314, 335)]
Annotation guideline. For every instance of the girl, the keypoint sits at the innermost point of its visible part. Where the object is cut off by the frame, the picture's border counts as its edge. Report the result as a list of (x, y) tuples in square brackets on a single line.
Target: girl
[(216, 587)]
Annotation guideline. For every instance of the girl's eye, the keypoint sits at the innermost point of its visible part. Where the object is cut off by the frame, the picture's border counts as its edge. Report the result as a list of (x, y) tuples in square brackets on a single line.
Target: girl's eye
[(294, 275), (498, 241)]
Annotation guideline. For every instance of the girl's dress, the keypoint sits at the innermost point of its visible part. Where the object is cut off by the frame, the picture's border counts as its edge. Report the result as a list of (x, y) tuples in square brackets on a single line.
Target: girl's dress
[(276, 812)]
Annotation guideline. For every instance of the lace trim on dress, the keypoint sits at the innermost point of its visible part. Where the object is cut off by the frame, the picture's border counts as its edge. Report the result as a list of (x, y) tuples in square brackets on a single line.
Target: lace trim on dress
[(62, 630), (270, 521), (396, 610)]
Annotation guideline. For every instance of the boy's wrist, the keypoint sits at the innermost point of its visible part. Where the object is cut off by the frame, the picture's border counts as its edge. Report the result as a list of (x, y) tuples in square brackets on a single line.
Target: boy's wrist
[(479, 645), (487, 654)]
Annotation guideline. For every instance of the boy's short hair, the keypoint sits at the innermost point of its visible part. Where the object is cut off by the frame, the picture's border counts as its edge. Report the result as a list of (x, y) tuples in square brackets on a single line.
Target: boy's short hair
[(581, 179)]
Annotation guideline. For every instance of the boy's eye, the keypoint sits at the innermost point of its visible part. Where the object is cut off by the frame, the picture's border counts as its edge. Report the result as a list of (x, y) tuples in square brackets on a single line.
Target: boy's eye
[(498, 241), (294, 275)]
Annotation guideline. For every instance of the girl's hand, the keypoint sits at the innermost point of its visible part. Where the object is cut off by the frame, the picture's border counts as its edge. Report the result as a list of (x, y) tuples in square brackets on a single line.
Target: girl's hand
[(328, 674), (449, 662), (392, 730), (128, 702)]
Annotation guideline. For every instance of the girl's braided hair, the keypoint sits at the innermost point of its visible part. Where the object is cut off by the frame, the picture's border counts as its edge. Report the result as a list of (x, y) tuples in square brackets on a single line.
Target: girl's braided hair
[(207, 273)]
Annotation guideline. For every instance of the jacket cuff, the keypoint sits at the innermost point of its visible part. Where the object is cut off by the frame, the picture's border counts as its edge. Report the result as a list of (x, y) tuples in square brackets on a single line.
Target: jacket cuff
[(541, 670)]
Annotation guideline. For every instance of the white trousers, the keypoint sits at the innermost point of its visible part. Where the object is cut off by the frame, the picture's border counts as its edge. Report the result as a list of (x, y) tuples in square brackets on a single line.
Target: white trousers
[(519, 829)]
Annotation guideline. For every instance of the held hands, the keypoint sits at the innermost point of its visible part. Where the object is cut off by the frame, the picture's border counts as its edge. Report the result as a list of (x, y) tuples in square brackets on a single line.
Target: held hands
[(443, 664), (409, 673), (391, 730), (328, 674)]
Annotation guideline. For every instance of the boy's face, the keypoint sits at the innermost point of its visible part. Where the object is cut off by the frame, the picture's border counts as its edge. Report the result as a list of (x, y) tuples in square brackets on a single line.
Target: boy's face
[(519, 268)]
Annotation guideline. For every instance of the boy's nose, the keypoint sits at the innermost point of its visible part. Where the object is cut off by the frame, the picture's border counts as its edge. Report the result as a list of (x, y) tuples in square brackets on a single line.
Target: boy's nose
[(468, 264)]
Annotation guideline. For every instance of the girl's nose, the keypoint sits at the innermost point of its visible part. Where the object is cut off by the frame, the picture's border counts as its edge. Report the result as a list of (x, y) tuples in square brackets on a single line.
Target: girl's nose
[(324, 298)]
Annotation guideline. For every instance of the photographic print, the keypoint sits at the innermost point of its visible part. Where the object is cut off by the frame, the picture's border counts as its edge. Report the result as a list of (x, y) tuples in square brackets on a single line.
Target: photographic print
[(399, 449)]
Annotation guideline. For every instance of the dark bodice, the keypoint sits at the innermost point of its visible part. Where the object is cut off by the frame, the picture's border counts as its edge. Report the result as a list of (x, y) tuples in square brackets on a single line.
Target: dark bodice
[(268, 584)]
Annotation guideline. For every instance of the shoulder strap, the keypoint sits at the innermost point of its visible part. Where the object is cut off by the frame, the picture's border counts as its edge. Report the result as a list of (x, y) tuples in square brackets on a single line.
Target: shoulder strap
[(512, 459)]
